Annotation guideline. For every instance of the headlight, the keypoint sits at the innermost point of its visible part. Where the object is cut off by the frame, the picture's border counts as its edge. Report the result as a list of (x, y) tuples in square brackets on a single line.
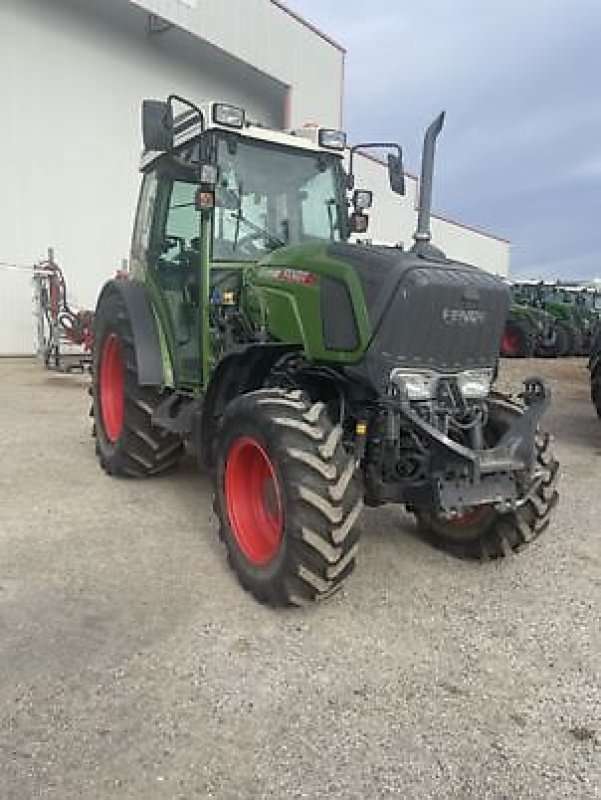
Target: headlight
[(419, 385), (475, 383)]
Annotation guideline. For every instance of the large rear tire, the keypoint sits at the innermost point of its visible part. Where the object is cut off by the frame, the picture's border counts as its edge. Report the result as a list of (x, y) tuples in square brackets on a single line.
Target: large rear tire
[(126, 441), (287, 496), (485, 533)]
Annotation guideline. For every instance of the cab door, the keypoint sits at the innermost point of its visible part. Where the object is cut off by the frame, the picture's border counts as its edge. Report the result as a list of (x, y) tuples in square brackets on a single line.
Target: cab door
[(167, 244)]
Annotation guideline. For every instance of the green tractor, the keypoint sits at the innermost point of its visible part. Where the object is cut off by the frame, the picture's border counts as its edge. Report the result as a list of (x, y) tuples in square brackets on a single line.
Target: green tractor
[(529, 331), (310, 374), (594, 366), (571, 337)]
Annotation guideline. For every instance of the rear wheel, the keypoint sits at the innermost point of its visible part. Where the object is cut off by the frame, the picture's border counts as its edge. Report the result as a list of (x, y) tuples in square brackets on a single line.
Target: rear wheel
[(484, 532), (287, 496), (596, 387), (517, 341), (126, 441), (565, 340)]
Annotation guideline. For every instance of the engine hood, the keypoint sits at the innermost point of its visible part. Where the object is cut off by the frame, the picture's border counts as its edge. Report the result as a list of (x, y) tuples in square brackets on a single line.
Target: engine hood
[(426, 313)]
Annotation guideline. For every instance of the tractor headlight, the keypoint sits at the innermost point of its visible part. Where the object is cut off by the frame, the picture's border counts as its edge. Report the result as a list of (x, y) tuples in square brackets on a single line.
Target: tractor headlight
[(474, 384), (417, 384)]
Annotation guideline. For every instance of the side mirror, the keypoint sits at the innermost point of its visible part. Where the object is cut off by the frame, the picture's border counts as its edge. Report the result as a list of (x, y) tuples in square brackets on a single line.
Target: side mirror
[(157, 125), (362, 199), (396, 176)]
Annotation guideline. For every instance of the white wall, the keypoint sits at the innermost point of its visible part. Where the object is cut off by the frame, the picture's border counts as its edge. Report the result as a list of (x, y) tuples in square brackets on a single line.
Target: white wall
[(279, 45), (393, 219), (73, 74)]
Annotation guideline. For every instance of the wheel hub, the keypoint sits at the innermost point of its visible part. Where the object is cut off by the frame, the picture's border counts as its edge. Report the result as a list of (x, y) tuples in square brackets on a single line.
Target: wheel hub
[(253, 499), (111, 388)]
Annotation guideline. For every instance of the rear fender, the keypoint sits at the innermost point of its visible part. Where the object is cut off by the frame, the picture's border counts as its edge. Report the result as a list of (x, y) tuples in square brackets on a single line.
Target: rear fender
[(154, 367)]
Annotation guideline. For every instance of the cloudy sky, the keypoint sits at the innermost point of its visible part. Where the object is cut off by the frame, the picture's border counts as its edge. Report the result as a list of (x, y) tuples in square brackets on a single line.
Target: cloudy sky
[(520, 80)]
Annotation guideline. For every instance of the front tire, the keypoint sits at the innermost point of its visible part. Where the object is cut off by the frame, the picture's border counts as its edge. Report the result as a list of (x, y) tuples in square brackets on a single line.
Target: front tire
[(287, 496), (127, 444), (484, 532)]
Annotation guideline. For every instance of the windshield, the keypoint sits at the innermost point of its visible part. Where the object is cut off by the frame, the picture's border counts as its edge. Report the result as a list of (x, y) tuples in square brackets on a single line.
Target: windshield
[(269, 196)]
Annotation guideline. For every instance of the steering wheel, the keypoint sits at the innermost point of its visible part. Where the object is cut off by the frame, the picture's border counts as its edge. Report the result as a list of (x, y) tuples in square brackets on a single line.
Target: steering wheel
[(247, 246)]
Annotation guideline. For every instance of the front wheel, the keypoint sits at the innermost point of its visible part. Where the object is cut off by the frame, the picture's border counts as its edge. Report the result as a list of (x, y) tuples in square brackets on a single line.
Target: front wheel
[(287, 497), (483, 532)]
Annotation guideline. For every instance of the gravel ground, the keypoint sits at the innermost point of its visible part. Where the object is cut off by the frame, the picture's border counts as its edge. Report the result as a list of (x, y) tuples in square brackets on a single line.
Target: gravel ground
[(133, 666)]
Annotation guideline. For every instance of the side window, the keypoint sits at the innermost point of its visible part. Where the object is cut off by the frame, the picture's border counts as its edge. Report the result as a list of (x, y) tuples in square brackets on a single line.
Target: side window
[(144, 215), (319, 209), (182, 225)]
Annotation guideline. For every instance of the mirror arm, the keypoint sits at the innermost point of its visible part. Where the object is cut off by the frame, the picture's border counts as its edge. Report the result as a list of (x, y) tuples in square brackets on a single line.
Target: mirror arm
[(350, 178)]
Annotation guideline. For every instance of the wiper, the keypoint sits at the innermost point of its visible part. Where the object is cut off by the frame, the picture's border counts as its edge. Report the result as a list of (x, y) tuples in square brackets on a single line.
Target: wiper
[(239, 217)]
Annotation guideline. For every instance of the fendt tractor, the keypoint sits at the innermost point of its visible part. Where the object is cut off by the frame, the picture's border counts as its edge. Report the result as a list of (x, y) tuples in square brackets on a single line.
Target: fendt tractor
[(311, 374), (529, 331)]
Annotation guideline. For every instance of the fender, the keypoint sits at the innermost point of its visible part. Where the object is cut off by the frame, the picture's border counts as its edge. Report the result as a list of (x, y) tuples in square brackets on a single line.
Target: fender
[(147, 345), (237, 373)]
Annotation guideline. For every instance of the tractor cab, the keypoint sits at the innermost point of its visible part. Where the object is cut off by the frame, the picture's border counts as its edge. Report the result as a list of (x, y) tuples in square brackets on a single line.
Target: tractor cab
[(218, 194)]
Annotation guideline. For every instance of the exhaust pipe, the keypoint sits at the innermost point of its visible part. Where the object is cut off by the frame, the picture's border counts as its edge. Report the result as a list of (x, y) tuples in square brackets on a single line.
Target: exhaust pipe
[(423, 234)]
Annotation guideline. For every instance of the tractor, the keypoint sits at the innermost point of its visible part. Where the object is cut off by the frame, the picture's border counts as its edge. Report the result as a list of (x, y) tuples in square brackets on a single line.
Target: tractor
[(529, 331), (594, 365), (572, 335), (311, 374)]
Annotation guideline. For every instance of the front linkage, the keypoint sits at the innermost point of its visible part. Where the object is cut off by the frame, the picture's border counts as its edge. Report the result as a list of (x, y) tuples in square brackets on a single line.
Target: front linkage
[(479, 478)]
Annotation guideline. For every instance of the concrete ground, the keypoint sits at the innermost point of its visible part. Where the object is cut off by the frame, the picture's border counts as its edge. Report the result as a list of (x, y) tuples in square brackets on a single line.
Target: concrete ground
[(132, 664)]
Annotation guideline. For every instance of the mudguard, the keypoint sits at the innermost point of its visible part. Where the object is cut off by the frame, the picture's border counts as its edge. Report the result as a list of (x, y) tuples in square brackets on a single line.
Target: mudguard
[(146, 336)]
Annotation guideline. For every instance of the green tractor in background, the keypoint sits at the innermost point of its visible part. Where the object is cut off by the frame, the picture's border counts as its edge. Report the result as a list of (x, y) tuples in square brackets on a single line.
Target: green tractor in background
[(569, 334), (594, 365), (529, 331), (310, 374)]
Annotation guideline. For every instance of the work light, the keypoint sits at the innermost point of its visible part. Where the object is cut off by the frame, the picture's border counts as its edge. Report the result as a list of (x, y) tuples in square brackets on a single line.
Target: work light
[(335, 140), (225, 114)]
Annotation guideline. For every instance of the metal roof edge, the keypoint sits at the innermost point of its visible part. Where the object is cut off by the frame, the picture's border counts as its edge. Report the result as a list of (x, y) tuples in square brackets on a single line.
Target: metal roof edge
[(303, 21), (471, 228)]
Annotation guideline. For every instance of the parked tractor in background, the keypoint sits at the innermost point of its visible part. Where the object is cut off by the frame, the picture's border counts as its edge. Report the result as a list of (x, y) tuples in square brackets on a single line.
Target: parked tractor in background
[(529, 331), (569, 339), (310, 374), (594, 365)]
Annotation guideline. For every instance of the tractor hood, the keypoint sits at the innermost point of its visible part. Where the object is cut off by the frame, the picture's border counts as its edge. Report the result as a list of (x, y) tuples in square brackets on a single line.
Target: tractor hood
[(426, 313), (375, 309)]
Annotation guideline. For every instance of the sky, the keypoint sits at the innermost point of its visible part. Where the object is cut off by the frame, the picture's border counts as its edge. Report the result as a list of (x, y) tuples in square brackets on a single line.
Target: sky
[(520, 80)]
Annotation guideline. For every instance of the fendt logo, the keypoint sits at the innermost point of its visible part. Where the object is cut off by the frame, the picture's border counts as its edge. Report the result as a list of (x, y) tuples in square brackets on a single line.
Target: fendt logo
[(463, 316)]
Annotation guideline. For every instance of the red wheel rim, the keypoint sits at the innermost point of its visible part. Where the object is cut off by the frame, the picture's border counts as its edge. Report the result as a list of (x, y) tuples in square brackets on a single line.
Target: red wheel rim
[(471, 517), (253, 498), (111, 381), (510, 343)]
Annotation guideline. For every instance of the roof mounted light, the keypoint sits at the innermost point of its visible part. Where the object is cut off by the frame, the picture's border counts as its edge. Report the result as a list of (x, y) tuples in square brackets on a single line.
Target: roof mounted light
[(230, 116), (334, 140)]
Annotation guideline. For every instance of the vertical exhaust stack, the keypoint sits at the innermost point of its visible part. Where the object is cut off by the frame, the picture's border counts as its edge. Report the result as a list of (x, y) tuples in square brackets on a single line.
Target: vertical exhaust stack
[(423, 234)]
